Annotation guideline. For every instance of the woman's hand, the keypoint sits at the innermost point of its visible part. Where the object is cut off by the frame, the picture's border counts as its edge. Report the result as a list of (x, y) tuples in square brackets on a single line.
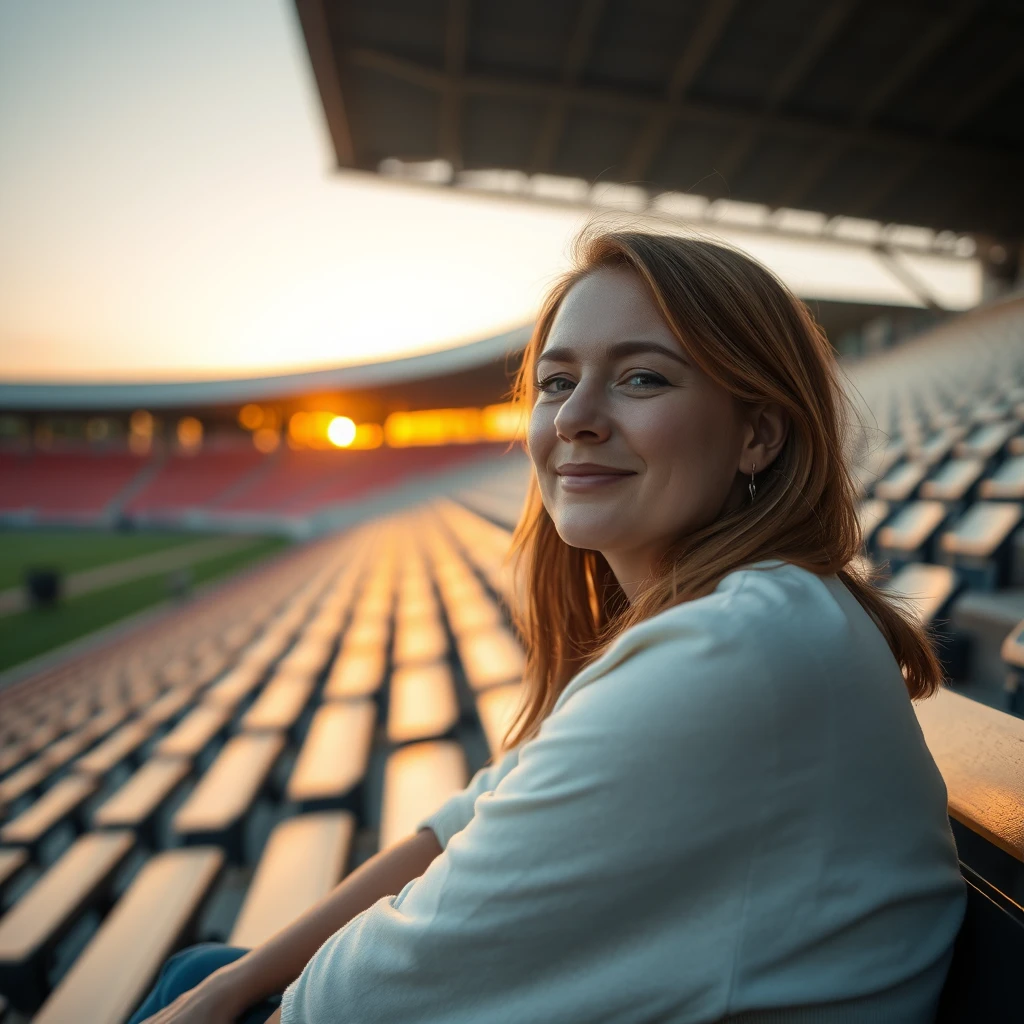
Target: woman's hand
[(212, 1001)]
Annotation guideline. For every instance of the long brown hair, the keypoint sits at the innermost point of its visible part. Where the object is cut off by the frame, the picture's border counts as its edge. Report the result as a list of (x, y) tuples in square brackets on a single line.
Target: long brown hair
[(752, 336)]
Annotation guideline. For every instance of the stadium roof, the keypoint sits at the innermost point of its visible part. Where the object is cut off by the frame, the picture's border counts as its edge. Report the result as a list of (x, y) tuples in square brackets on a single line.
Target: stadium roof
[(901, 112), (452, 377)]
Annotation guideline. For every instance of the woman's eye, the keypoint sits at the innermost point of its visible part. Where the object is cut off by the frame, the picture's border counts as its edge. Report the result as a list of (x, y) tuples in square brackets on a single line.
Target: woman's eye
[(550, 384), (646, 379)]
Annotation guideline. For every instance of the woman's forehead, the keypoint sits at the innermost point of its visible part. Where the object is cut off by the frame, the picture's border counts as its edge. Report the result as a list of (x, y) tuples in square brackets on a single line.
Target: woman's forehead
[(605, 307)]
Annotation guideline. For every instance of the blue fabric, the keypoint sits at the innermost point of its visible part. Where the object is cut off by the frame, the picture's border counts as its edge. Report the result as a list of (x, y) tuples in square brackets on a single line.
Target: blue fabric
[(187, 969)]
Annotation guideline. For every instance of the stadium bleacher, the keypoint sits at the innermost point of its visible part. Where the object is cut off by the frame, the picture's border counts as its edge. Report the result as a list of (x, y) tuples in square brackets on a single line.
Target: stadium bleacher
[(162, 789), (225, 482)]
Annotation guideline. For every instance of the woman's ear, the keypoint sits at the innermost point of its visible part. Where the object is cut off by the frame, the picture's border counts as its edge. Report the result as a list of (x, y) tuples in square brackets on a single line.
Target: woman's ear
[(768, 425)]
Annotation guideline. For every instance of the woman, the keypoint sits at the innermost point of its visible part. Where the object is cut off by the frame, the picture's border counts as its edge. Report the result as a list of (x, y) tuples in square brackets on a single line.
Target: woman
[(718, 804)]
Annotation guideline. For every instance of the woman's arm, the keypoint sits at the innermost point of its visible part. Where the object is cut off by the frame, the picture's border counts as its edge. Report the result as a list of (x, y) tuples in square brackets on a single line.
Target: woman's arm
[(270, 968)]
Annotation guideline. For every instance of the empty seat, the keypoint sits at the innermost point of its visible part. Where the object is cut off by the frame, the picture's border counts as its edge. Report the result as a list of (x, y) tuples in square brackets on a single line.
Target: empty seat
[(496, 708), (901, 483), (986, 441), (23, 781), (279, 704), (366, 632), (216, 807), (11, 863), (978, 546), (194, 732), (58, 804), (152, 919), (422, 703), (474, 615), (931, 588), (308, 656), (954, 483), (356, 673), (909, 536), (304, 859), (419, 640), (167, 706), (117, 747), (491, 657), (230, 691), (31, 928), (138, 800), (1006, 483), (418, 778), (335, 754)]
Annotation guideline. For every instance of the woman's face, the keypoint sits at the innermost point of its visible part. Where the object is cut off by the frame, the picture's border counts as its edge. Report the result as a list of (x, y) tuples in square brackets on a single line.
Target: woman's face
[(633, 445)]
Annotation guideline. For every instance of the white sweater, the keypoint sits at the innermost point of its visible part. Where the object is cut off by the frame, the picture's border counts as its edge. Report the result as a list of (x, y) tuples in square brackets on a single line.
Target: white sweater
[(732, 814)]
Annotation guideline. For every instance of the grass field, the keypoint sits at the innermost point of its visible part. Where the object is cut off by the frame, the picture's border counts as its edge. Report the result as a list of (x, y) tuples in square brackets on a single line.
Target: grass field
[(75, 550), (25, 634)]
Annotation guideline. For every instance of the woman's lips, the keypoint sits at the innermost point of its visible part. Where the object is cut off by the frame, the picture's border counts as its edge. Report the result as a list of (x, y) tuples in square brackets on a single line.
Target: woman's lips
[(588, 478)]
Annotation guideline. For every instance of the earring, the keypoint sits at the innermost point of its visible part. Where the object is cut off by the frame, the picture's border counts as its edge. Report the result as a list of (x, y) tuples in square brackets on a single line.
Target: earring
[(752, 487)]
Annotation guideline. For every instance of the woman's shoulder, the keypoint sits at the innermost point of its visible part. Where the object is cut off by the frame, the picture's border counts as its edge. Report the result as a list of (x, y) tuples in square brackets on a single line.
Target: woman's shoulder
[(771, 619), (770, 601)]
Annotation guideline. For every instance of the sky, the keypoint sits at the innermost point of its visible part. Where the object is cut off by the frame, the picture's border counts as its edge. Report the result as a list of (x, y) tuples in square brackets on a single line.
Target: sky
[(169, 209)]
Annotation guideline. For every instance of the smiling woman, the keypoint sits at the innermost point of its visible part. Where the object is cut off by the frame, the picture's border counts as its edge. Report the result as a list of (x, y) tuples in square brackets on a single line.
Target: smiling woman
[(716, 803)]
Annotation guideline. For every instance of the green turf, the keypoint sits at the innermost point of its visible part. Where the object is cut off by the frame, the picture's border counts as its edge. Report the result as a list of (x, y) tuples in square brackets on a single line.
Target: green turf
[(27, 634), (74, 550)]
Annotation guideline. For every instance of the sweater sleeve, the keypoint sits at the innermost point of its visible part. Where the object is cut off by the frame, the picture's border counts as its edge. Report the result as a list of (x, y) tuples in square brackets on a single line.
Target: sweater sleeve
[(549, 904), (455, 813)]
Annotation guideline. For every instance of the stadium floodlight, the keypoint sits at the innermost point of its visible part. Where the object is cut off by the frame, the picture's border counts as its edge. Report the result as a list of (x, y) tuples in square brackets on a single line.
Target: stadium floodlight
[(341, 431)]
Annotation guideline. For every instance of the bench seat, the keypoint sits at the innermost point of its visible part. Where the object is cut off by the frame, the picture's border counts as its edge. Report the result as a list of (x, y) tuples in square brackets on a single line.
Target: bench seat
[(909, 535), (1006, 483), (418, 779), (58, 804), (931, 588), (356, 673), (149, 922), (31, 928), (307, 657), (304, 859), (230, 691), (422, 703), (335, 754), (224, 795), (167, 706), (491, 657), (118, 747), (901, 482), (418, 641), (496, 708), (954, 481), (138, 800), (194, 732), (11, 863), (279, 704)]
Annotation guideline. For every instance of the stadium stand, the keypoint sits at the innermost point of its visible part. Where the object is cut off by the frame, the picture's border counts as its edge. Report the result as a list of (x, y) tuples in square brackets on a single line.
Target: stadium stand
[(163, 787), (65, 485)]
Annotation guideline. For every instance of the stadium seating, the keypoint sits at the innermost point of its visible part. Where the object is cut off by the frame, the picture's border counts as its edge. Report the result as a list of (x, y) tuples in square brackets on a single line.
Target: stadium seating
[(64, 484), (164, 786)]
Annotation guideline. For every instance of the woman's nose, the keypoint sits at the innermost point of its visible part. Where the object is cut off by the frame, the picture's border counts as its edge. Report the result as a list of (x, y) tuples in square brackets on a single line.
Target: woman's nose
[(584, 415)]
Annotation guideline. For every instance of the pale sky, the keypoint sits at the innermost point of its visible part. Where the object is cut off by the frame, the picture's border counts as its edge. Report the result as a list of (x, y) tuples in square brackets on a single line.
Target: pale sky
[(168, 209)]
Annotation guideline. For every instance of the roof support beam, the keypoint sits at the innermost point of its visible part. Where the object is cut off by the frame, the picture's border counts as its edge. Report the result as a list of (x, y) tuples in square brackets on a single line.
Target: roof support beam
[(695, 54), (927, 47), (833, 17), (319, 44), (986, 90), (900, 144), (450, 127), (587, 19)]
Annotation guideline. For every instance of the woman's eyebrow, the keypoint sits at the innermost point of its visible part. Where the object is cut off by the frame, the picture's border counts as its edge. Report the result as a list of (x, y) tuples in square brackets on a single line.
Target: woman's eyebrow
[(616, 351)]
